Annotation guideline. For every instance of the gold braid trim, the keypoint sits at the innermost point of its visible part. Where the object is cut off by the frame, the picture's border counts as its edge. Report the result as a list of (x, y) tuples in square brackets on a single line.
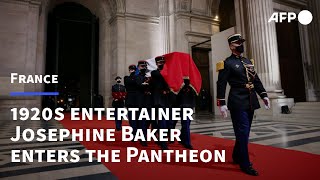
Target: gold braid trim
[(219, 66), (252, 61)]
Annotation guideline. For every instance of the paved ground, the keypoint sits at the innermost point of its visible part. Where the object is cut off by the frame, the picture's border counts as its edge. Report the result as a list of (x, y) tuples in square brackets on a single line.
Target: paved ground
[(290, 135)]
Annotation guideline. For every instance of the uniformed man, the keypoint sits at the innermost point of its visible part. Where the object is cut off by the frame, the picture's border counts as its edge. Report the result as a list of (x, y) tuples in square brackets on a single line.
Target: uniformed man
[(239, 72), (186, 99), (144, 98), (119, 95), (131, 86), (160, 94)]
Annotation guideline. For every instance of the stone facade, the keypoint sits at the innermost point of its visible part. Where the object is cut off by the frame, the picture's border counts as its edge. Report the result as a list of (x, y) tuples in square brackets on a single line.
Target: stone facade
[(130, 30)]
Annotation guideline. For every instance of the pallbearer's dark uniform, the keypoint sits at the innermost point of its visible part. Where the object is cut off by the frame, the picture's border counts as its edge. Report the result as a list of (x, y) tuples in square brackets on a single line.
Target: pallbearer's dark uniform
[(186, 99), (131, 86), (144, 97), (242, 101), (160, 95), (148, 102), (119, 95)]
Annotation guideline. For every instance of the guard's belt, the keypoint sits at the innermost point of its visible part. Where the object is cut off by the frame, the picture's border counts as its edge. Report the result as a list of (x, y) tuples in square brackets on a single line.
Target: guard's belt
[(247, 86)]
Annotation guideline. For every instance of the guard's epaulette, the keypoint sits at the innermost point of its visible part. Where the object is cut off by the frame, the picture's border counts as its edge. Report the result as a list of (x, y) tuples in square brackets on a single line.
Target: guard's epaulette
[(220, 65), (252, 61)]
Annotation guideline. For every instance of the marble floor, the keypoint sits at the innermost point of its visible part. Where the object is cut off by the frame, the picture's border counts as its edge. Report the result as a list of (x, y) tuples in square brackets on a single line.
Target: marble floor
[(289, 134), (283, 134)]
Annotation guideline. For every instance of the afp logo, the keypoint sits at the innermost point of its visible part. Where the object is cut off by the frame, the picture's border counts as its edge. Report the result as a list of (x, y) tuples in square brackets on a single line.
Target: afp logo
[(304, 17)]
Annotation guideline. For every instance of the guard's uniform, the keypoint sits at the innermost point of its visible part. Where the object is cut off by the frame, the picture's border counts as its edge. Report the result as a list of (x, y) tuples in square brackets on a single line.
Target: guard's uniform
[(242, 101), (119, 95), (186, 99), (131, 86), (160, 95), (144, 97)]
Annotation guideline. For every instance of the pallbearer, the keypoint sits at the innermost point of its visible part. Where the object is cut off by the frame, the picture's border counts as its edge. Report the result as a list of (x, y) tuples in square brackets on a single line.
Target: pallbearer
[(186, 99), (119, 95), (240, 73), (130, 83), (144, 98), (160, 94)]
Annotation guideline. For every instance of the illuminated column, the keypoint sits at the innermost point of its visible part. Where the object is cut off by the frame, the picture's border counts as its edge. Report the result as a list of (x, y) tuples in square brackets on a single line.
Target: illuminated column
[(263, 44), (164, 26), (314, 36)]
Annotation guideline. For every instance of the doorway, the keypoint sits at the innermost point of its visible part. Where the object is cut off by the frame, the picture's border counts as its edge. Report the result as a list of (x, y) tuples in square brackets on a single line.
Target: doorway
[(201, 59), (72, 54), (290, 60)]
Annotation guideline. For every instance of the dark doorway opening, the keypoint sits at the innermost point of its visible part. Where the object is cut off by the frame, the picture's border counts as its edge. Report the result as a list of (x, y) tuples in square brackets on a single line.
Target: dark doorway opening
[(201, 59), (72, 53), (290, 60)]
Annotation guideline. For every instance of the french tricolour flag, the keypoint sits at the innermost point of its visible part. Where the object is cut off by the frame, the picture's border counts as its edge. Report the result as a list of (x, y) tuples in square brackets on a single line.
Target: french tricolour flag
[(178, 66), (151, 66)]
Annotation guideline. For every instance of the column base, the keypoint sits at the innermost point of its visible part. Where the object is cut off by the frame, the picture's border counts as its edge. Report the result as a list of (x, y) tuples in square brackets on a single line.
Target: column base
[(275, 110), (276, 94)]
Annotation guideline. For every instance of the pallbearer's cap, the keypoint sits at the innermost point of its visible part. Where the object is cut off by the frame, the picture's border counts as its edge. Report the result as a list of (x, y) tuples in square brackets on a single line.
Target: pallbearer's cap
[(132, 67), (142, 62), (118, 77), (235, 38), (160, 59)]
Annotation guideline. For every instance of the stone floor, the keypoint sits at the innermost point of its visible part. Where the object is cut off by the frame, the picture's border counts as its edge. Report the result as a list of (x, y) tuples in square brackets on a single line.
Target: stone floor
[(295, 135), (288, 134)]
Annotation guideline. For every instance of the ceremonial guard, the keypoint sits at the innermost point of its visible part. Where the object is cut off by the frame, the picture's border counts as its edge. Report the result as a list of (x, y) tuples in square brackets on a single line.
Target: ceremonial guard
[(131, 86), (119, 95), (186, 99), (160, 94), (144, 98), (239, 72)]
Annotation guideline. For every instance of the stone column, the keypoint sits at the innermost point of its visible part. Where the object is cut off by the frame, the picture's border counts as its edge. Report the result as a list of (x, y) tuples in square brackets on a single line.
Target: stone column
[(31, 51), (314, 38), (118, 38), (262, 40), (164, 26)]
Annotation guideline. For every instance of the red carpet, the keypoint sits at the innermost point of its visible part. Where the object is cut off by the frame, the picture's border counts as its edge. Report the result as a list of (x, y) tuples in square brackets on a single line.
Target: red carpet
[(269, 161)]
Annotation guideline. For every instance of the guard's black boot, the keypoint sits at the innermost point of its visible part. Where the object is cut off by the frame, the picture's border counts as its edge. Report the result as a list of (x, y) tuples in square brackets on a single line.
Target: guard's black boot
[(143, 143), (188, 146), (164, 147), (249, 170)]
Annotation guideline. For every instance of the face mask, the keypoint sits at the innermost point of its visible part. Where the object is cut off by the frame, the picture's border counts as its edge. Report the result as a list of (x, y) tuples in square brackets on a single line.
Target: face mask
[(240, 48), (132, 73), (160, 67), (119, 81), (143, 71)]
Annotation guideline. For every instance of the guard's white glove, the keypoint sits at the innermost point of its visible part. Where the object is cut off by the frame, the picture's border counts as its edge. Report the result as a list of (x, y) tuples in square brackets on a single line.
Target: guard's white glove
[(266, 103), (224, 110)]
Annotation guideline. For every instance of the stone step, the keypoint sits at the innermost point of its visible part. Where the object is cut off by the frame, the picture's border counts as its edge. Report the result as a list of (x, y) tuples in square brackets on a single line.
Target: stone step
[(307, 103), (299, 116), (288, 119), (305, 111), (306, 107)]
